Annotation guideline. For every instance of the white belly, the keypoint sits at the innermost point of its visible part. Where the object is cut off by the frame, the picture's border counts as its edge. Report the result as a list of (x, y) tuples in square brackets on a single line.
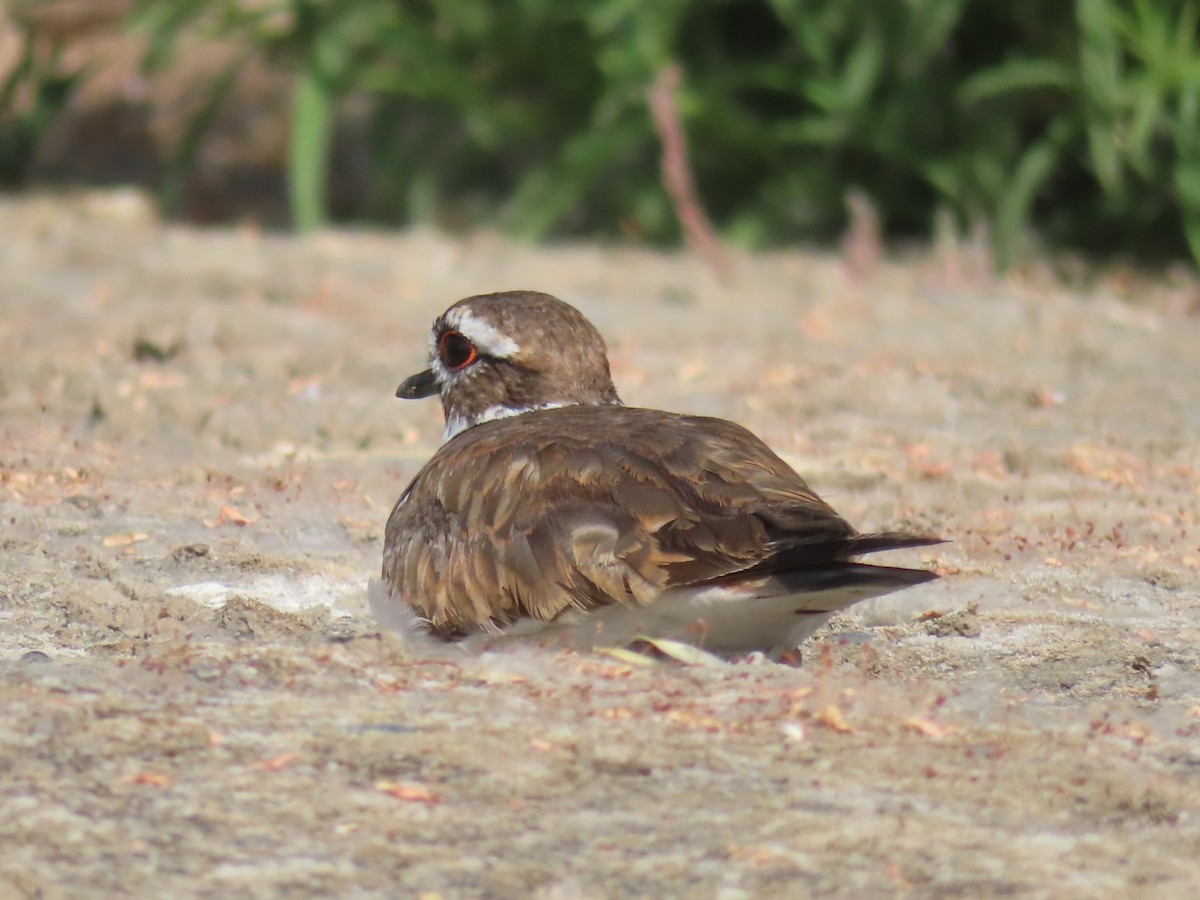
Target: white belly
[(715, 619), (722, 620)]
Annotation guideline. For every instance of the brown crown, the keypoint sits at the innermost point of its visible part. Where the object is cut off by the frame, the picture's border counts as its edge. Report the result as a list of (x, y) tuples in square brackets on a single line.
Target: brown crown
[(532, 351)]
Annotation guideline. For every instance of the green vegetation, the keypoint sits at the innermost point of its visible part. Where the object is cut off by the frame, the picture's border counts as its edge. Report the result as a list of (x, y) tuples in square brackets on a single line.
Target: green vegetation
[(32, 96), (1076, 121)]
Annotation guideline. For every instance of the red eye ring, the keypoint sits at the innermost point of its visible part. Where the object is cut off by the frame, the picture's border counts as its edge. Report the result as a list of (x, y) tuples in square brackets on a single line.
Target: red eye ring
[(456, 351)]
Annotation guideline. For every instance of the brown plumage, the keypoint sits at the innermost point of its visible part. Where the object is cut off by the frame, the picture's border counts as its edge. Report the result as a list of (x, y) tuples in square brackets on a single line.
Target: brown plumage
[(599, 521)]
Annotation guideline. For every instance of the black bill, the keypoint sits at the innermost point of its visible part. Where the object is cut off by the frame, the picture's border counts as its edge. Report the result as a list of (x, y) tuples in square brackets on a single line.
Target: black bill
[(418, 386)]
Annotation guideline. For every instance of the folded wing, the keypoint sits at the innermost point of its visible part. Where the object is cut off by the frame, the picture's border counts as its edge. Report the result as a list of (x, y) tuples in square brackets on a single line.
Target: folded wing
[(582, 508)]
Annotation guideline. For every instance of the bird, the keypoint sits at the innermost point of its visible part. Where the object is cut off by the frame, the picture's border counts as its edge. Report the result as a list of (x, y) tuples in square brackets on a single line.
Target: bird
[(554, 512)]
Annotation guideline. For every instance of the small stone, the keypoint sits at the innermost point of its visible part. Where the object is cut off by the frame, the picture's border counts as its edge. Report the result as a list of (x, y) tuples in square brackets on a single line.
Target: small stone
[(191, 551)]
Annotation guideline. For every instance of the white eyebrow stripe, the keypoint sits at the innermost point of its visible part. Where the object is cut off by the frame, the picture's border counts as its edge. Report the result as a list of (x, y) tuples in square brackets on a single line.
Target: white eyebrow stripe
[(488, 339)]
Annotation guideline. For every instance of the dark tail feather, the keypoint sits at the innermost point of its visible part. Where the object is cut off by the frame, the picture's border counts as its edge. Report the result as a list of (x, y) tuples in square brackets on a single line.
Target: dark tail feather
[(838, 585), (873, 580), (826, 588), (859, 544), (818, 554), (825, 570)]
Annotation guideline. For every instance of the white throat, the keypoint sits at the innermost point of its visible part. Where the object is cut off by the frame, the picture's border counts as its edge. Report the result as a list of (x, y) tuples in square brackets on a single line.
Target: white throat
[(456, 424)]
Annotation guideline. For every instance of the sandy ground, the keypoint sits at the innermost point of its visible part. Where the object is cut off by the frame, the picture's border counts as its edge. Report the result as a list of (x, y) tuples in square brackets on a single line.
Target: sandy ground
[(198, 450)]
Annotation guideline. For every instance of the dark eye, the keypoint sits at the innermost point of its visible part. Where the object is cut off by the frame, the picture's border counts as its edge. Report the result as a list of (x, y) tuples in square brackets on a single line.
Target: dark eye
[(456, 351)]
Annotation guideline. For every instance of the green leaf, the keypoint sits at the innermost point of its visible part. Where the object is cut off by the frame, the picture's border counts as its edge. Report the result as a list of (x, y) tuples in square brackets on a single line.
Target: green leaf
[(1187, 185), (928, 32), (546, 195), (1015, 76), (1032, 172), (179, 168), (308, 150), (1143, 126), (804, 22), (814, 131), (167, 21), (861, 73), (948, 179), (1100, 67)]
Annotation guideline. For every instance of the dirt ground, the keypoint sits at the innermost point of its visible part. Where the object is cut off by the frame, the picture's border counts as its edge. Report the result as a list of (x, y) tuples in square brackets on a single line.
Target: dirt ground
[(198, 450)]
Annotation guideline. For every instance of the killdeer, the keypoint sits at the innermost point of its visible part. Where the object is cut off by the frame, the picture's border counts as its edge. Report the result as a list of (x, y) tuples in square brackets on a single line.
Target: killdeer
[(554, 509)]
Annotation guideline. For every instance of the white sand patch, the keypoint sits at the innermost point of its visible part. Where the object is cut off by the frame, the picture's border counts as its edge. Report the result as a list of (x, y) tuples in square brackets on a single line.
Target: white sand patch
[(278, 591)]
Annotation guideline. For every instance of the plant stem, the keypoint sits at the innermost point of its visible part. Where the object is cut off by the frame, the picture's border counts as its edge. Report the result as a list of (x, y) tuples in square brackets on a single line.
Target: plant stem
[(309, 150)]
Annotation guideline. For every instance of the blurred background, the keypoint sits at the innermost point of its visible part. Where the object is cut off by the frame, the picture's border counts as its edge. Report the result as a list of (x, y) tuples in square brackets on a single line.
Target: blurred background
[(1014, 126)]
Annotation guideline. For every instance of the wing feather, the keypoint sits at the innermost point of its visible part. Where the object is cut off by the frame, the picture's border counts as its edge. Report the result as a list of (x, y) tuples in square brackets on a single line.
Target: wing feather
[(585, 507)]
